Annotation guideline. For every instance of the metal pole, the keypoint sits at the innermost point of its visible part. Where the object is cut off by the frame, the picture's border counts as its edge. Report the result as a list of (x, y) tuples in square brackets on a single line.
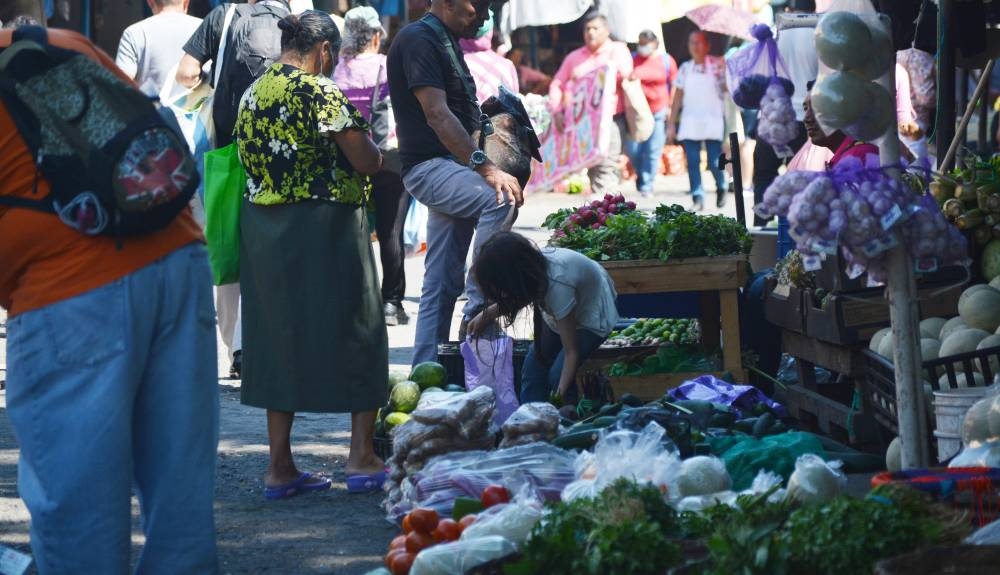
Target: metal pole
[(901, 287), (945, 125), (984, 82)]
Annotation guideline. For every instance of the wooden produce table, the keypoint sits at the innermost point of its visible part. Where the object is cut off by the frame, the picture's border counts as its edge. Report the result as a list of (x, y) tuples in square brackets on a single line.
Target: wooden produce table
[(718, 280)]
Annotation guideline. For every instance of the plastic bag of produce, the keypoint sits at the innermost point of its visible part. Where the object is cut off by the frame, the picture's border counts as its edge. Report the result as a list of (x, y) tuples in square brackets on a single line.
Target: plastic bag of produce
[(641, 457), (546, 468), (985, 454), (466, 413), (461, 556), (531, 422), (815, 480), (988, 535), (490, 363), (512, 521), (752, 69)]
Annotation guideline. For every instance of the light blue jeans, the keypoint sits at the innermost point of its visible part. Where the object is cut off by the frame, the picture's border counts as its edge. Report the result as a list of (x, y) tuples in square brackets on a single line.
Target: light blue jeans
[(459, 202), (111, 389), (645, 156), (692, 151)]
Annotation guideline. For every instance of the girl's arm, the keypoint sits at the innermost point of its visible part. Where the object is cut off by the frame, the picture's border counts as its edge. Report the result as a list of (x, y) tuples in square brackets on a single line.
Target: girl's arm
[(484, 318), (571, 353)]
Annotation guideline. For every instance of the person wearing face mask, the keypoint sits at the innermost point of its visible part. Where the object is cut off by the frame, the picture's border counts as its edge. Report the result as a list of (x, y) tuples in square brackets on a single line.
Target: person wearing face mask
[(489, 69), (599, 50), (313, 324), (652, 69)]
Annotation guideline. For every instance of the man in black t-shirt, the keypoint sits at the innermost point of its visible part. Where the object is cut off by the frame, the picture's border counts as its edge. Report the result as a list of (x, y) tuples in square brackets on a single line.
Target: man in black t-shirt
[(433, 99)]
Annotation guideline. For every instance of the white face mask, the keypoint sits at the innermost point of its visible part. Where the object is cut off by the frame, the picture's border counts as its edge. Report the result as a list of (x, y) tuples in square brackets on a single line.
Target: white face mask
[(645, 50)]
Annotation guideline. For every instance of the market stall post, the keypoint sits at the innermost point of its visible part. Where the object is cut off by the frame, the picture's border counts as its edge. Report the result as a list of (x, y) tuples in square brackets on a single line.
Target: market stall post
[(902, 290)]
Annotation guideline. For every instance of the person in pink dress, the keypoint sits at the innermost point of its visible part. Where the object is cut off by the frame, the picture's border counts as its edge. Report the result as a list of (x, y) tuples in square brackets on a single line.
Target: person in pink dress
[(489, 69), (599, 50)]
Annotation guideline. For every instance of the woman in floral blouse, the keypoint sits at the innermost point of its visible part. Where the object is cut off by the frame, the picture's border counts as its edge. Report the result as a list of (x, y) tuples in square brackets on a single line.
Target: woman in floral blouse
[(313, 329)]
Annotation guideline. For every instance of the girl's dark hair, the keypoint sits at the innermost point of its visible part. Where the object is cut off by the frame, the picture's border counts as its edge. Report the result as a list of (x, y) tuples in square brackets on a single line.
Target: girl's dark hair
[(512, 273), (648, 36), (302, 32)]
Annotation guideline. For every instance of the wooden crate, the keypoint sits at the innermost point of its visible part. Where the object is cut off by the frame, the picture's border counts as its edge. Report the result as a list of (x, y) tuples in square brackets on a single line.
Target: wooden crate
[(718, 280), (853, 318), (784, 306), (652, 387)]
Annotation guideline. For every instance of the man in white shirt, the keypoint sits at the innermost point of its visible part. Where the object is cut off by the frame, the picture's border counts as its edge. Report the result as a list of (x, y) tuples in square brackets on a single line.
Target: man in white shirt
[(150, 49)]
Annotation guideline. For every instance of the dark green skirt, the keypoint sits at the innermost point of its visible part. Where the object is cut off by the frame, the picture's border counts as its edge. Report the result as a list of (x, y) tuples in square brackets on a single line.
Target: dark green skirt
[(314, 336)]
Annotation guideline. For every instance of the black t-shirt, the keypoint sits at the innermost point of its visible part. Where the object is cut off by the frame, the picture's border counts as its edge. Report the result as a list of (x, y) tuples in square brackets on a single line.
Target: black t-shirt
[(417, 59)]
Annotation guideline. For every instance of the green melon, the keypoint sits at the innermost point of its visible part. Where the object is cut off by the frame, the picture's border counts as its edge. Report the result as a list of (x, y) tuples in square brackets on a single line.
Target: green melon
[(962, 341), (981, 309), (404, 397), (931, 327), (929, 348), (887, 346), (974, 379), (877, 338), (951, 326), (991, 260), (429, 374), (432, 390), (396, 377), (395, 419), (986, 343), (894, 456)]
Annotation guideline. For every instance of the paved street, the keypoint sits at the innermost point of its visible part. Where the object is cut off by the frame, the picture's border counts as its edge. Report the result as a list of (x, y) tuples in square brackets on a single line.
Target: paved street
[(330, 532)]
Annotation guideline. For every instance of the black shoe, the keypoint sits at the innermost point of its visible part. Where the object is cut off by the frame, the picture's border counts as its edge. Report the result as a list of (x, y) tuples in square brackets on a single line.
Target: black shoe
[(236, 369), (720, 199), (395, 314), (698, 204)]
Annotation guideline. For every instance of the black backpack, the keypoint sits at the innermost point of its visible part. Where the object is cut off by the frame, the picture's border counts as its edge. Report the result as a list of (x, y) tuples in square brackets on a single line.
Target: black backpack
[(254, 44), (114, 164)]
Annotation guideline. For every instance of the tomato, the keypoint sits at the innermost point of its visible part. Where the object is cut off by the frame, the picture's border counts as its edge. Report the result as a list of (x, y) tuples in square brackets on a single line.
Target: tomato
[(391, 555), (466, 521), (402, 562), (495, 495), (447, 530), (424, 520), (398, 543), (417, 541), (407, 526)]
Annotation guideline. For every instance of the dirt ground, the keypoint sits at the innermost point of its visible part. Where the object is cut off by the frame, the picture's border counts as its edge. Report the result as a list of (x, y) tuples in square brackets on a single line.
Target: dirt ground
[(329, 532)]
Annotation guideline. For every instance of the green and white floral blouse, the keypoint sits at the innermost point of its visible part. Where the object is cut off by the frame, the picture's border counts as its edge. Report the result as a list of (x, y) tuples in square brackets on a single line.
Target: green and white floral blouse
[(283, 132)]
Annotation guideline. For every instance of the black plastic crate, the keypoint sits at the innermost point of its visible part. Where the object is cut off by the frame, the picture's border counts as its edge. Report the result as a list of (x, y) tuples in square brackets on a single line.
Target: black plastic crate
[(450, 356), (879, 383)]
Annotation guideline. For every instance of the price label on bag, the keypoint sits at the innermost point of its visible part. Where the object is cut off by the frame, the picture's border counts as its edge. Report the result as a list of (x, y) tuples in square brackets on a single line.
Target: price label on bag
[(13, 562), (891, 217)]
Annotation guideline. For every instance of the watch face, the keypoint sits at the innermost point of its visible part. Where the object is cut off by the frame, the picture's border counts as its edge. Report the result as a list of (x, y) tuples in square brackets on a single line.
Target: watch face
[(478, 158)]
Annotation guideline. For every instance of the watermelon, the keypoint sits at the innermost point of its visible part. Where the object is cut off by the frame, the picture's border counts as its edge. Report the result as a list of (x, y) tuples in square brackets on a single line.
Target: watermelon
[(395, 419), (404, 396), (429, 374), (396, 377)]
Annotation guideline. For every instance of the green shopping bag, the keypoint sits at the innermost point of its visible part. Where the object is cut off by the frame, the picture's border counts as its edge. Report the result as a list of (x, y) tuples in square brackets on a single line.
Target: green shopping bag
[(225, 182)]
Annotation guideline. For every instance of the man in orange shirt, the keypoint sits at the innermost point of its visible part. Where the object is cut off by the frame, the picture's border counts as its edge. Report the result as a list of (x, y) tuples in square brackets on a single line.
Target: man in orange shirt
[(111, 378)]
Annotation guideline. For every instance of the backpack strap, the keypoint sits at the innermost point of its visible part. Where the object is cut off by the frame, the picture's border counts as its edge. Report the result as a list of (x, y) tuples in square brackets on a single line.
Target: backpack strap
[(485, 126), (223, 41), (449, 47)]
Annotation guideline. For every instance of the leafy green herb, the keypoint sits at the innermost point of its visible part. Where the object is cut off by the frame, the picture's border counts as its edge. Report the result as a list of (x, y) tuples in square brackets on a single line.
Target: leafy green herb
[(623, 530)]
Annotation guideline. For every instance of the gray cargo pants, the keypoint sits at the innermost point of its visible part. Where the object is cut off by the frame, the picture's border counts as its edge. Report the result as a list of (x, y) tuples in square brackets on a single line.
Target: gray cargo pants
[(459, 202)]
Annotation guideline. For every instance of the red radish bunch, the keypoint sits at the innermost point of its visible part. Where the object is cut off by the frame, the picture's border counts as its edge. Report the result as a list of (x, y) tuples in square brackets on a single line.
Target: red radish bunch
[(595, 214)]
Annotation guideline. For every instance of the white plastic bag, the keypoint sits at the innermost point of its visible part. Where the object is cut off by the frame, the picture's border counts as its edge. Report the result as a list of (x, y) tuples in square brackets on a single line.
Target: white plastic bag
[(461, 556), (415, 227), (512, 521), (815, 480)]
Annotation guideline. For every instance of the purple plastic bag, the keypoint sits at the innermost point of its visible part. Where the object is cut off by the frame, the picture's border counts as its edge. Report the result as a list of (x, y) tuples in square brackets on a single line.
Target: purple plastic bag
[(752, 69), (491, 362), (742, 398)]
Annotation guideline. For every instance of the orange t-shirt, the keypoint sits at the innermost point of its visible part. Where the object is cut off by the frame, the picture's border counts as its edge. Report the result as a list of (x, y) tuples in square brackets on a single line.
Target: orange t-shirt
[(42, 261)]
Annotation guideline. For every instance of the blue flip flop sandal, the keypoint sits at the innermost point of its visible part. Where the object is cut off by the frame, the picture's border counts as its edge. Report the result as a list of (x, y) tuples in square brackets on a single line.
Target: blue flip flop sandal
[(296, 487), (360, 484)]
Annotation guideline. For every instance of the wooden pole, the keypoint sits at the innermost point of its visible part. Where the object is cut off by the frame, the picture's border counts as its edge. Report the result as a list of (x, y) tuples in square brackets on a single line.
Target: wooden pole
[(901, 287), (959, 139)]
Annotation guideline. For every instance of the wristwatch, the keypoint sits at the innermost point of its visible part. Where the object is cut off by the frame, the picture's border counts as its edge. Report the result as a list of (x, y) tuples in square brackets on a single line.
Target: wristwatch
[(477, 159)]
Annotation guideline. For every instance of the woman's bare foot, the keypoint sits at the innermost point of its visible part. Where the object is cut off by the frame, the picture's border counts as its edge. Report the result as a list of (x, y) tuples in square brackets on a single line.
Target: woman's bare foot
[(364, 466), (286, 475)]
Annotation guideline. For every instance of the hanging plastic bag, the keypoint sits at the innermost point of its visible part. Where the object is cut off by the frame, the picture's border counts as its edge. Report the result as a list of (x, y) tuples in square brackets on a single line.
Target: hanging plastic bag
[(490, 362), (415, 227), (512, 521), (758, 79)]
